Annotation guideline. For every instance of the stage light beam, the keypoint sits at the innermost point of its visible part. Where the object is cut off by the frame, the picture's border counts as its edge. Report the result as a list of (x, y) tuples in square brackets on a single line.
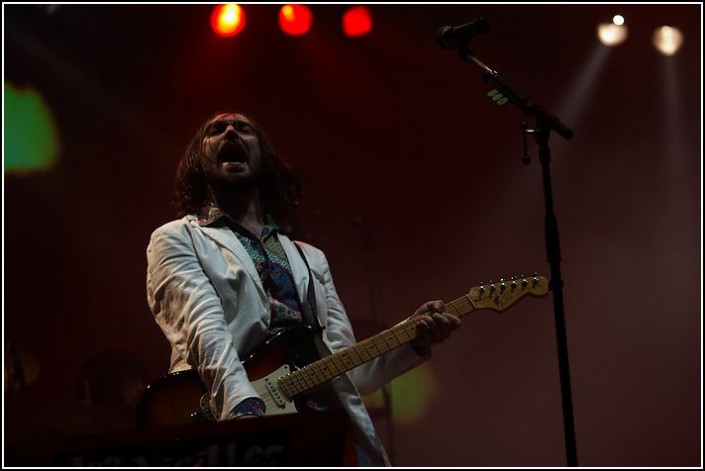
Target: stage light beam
[(667, 40), (613, 33), (357, 22), (295, 20), (228, 20)]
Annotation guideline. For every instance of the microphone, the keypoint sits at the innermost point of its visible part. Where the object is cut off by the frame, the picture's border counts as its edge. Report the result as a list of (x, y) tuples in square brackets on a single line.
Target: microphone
[(450, 36)]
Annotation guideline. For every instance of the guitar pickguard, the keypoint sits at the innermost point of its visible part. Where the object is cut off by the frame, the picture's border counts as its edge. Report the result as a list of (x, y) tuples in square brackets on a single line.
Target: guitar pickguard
[(275, 401)]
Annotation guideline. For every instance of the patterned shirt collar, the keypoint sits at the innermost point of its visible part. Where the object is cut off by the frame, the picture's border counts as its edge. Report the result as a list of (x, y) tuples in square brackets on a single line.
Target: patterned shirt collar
[(210, 213)]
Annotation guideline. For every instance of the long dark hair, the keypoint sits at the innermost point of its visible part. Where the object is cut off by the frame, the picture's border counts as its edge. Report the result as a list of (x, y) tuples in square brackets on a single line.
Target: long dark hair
[(280, 189)]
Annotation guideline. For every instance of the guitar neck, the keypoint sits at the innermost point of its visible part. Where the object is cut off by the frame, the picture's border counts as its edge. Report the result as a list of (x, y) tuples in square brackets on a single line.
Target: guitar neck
[(321, 371)]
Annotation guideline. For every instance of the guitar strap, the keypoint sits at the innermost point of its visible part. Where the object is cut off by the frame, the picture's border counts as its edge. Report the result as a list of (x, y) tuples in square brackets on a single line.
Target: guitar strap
[(309, 307)]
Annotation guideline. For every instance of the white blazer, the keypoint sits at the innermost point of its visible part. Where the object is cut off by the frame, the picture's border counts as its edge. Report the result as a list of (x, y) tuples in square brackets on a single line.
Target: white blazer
[(207, 297)]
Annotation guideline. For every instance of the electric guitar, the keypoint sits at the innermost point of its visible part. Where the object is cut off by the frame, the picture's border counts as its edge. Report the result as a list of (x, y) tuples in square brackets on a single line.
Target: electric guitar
[(283, 372)]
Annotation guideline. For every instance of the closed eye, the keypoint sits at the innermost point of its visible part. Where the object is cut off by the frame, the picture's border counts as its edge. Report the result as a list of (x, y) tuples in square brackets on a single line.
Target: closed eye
[(242, 126), (216, 128), (220, 126)]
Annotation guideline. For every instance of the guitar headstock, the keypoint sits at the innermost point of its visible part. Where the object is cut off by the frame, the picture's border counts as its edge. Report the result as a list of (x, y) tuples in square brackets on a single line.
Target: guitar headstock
[(498, 296)]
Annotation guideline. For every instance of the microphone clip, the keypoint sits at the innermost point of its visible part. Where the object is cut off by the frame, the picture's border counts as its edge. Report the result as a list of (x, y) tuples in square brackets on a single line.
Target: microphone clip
[(450, 37)]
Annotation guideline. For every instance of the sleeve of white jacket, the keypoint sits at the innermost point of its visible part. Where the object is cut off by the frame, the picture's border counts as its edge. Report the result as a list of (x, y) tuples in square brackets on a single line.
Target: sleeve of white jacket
[(189, 312), (374, 374)]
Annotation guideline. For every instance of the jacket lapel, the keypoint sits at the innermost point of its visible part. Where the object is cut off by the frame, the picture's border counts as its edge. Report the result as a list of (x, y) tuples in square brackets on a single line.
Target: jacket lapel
[(227, 238)]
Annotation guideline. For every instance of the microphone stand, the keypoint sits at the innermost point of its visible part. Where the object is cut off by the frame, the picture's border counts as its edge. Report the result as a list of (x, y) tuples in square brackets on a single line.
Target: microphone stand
[(545, 123)]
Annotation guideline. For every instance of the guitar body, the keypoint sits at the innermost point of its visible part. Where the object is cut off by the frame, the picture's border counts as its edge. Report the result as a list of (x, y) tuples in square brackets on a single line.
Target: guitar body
[(175, 399)]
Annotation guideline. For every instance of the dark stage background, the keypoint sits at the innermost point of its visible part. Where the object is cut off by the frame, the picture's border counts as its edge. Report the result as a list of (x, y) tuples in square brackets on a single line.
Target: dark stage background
[(414, 188)]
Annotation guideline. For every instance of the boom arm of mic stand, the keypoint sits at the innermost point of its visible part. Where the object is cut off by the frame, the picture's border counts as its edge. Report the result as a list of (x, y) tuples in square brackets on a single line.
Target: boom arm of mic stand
[(529, 107)]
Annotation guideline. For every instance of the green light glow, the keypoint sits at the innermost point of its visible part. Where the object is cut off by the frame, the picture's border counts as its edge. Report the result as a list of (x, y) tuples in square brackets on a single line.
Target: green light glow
[(410, 395), (30, 135)]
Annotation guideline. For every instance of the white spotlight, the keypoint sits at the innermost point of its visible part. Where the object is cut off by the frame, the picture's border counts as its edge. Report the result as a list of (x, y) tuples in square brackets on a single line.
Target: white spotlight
[(667, 40), (611, 34)]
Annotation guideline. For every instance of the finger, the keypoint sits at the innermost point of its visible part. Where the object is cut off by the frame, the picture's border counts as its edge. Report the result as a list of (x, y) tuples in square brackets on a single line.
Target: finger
[(444, 324), (450, 319), (442, 319), (424, 323), (429, 307), (437, 306), (454, 320)]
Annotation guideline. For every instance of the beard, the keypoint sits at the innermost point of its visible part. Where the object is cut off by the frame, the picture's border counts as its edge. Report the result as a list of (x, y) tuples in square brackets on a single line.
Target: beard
[(234, 184)]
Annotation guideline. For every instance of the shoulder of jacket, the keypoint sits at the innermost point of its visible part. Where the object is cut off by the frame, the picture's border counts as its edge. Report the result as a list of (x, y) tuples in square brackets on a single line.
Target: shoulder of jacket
[(309, 249), (316, 257), (178, 226)]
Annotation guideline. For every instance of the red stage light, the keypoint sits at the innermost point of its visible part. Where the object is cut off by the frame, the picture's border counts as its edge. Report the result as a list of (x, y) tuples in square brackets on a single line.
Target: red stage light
[(357, 21), (228, 19), (295, 20)]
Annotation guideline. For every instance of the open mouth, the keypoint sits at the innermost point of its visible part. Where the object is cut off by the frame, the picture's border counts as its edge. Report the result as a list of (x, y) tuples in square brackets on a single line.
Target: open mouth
[(232, 153)]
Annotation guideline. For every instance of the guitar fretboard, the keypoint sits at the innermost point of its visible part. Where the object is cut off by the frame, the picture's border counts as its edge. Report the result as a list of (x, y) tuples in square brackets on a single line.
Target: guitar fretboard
[(321, 371)]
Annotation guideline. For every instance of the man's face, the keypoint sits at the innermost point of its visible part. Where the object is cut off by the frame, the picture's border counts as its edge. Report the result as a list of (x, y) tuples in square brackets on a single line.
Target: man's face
[(232, 153)]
